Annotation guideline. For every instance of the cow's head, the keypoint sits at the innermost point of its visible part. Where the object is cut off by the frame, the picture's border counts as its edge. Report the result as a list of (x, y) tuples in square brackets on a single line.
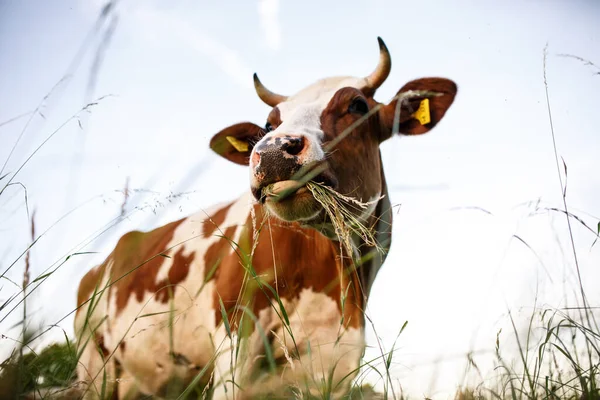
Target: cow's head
[(329, 132)]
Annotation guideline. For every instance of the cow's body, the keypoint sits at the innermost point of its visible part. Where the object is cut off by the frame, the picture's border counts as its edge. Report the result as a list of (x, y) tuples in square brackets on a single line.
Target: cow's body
[(293, 296), (176, 271)]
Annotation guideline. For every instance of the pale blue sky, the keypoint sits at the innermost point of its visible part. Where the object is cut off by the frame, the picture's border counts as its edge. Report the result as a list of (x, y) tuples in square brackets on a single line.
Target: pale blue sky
[(180, 73)]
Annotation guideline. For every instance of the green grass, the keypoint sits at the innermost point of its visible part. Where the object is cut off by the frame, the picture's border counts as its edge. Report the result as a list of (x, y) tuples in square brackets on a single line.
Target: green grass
[(53, 367)]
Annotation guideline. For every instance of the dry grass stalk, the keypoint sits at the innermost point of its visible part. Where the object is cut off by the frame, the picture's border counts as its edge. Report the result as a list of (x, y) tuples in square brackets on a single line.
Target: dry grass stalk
[(345, 223)]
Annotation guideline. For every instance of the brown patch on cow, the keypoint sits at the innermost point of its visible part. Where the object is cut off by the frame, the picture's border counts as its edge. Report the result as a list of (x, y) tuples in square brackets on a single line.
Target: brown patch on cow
[(355, 160), (100, 343), (122, 346), (300, 257), (274, 118), (88, 284), (356, 163), (210, 224), (138, 257), (180, 268)]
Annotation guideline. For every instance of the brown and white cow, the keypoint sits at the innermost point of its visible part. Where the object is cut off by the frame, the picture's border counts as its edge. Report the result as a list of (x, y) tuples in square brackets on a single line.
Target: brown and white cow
[(257, 295)]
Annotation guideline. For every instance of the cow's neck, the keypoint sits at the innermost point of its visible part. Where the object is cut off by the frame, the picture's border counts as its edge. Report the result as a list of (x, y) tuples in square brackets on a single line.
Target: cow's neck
[(293, 251), (367, 259), (371, 258)]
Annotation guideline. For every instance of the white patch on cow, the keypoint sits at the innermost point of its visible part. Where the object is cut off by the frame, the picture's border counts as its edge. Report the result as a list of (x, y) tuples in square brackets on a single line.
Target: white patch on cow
[(235, 356), (320, 92), (301, 113), (304, 120), (315, 321), (326, 349)]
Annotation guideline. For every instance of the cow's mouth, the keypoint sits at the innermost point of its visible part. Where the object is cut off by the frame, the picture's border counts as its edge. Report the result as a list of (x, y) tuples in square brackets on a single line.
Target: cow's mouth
[(282, 190), (291, 200)]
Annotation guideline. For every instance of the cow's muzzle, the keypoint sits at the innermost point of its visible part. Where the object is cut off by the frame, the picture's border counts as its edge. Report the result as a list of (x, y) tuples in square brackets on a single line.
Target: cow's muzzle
[(280, 166)]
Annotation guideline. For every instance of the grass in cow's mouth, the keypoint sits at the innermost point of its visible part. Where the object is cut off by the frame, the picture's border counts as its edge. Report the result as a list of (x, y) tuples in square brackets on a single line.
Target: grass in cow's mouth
[(281, 190), (345, 223)]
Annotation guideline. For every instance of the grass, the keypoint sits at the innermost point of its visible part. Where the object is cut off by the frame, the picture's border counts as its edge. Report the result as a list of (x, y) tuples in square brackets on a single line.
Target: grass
[(32, 372), (341, 211)]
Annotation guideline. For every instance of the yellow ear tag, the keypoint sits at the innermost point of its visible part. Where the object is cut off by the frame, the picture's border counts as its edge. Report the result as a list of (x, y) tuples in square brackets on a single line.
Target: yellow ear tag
[(240, 146), (422, 114)]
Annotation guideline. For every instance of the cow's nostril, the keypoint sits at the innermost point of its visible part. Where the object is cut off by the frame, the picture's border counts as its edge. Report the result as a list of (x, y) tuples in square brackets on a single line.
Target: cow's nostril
[(294, 146)]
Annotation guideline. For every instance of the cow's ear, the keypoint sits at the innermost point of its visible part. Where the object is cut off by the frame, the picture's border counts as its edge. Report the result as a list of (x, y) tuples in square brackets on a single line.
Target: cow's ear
[(418, 115), (236, 142)]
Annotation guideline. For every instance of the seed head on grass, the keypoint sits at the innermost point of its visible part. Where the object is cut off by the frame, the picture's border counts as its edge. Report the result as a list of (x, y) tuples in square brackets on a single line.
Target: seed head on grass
[(345, 223)]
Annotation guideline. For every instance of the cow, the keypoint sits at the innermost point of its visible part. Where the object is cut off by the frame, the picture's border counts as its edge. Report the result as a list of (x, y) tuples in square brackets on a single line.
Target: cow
[(259, 296)]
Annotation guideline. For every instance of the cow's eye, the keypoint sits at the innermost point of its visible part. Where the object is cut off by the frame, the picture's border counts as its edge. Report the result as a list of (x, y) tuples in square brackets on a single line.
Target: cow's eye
[(358, 106), (268, 127)]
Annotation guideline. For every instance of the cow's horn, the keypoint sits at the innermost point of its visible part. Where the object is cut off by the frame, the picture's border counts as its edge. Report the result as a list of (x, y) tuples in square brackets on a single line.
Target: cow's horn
[(266, 95), (383, 68)]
